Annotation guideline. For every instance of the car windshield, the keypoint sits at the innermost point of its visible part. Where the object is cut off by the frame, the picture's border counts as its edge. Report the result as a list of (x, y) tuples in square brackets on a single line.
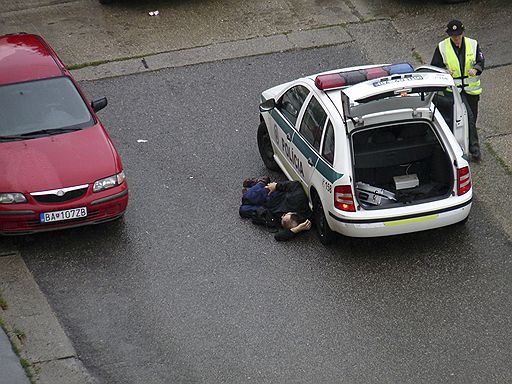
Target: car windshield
[(35, 106)]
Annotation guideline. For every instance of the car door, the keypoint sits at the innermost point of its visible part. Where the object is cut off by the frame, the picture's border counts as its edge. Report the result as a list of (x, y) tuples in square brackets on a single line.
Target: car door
[(285, 116), (306, 142), (325, 174), (450, 104), (460, 121)]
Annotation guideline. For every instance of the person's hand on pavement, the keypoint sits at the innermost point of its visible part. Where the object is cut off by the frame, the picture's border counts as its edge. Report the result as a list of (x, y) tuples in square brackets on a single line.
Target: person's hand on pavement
[(305, 226)]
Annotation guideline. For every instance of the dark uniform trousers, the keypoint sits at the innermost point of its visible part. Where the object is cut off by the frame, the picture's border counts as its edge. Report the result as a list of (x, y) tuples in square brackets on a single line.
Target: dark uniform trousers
[(471, 102)]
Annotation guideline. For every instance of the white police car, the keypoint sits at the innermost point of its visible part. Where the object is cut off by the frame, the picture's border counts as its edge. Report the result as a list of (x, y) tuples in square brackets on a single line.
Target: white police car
[(371, 148)]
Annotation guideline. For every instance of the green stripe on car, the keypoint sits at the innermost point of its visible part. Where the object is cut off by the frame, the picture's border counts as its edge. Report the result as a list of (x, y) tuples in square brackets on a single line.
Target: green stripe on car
[(321, 166), (326, 170), (285, 126)]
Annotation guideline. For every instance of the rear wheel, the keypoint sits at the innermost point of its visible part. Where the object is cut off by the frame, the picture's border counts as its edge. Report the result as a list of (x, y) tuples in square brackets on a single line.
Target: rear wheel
[(265, 148), (324, 232)]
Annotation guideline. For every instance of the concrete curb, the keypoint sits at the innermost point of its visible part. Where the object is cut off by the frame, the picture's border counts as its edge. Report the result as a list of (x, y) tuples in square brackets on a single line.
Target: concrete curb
[(215, 52), (45, 344)]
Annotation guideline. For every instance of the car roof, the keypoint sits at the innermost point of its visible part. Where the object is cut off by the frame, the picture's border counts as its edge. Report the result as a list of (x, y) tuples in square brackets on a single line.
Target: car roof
[(25, 57)]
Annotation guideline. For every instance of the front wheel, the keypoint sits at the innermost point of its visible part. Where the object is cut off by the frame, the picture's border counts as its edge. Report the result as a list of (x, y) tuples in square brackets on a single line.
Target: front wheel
[(324, 232), (265, 148)]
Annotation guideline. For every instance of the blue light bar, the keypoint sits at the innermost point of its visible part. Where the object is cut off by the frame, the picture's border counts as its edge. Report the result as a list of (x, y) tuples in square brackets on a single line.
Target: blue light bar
[(397, 69)]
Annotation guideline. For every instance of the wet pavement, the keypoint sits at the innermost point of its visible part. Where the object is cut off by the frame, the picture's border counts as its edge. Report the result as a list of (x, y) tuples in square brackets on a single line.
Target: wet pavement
[(115, 38)]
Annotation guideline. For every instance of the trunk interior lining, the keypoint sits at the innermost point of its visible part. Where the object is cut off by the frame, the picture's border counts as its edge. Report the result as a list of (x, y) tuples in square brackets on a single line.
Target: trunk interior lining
[(383, 152)]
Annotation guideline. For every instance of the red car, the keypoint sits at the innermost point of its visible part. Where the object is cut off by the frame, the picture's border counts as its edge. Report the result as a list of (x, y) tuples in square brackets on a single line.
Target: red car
[(58, 166)]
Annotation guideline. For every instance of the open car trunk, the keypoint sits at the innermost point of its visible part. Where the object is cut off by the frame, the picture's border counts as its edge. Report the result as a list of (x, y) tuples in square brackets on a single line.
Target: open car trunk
[(400, 164)]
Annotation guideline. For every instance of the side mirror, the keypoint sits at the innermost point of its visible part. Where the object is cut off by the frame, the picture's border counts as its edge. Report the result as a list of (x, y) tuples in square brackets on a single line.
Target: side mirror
[(268, 105), (99, 104)]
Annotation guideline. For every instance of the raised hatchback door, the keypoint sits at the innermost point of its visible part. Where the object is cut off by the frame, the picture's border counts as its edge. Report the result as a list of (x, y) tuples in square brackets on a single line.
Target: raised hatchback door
[(461, 121)]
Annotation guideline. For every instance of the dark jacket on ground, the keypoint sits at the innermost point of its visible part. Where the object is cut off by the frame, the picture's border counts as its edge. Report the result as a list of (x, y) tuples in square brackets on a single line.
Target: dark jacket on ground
[(267, 208), (288, 197)]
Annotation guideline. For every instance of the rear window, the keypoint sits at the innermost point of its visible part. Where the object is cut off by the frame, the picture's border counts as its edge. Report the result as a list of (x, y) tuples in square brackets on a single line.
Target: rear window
[(43, 104)]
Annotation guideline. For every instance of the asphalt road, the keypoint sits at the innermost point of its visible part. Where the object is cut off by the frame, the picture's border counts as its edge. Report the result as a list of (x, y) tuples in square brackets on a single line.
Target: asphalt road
[(184, 291)]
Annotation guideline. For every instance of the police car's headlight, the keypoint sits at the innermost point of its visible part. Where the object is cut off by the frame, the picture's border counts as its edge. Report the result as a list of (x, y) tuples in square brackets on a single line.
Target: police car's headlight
[(108, 182), (12, 198)]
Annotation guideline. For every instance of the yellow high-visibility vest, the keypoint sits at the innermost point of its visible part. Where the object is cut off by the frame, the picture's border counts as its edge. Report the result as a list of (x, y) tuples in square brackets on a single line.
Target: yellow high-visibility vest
[(450, 59)]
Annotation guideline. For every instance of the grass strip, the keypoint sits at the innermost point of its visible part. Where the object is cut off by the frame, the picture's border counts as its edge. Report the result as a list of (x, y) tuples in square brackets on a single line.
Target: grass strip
[(25, 363), (416, 55), (73, 67), (3, 303), (500, 160)]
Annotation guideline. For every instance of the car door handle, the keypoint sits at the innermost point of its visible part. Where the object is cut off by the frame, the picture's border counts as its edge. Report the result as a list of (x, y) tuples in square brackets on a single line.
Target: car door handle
[(289, 136), (310, 161)]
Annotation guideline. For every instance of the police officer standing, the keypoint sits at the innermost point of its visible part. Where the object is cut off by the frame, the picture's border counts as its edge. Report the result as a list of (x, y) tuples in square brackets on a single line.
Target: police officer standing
[(464, 60)]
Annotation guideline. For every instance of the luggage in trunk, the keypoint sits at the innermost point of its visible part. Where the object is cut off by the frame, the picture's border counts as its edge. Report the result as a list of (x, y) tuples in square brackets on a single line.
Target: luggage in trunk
[(400, 164)]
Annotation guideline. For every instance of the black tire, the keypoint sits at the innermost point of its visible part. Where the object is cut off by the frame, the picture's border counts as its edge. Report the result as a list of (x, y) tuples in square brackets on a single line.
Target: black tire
[(106, 1), (323, 231), (265, 148)]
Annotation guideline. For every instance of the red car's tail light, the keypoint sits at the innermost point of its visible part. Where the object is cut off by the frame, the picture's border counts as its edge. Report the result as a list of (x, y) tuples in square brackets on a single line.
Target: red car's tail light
[(343, 198), (463, 180)]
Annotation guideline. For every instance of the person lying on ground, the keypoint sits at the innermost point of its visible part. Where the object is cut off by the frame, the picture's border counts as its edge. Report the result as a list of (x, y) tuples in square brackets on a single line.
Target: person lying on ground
[(283, 204)]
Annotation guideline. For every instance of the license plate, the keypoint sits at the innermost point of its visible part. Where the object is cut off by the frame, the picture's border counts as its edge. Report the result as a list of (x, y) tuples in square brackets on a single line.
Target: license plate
[(67, 214)]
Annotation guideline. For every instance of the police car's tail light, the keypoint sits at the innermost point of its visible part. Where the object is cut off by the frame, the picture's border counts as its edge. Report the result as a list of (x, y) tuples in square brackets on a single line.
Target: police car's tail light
[(463, 180), (343, 198), (343, 79)]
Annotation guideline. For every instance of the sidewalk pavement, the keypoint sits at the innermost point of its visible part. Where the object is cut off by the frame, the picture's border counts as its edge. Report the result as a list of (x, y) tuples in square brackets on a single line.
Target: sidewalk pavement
[(11, 371), (34, 328), (10, 367)]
